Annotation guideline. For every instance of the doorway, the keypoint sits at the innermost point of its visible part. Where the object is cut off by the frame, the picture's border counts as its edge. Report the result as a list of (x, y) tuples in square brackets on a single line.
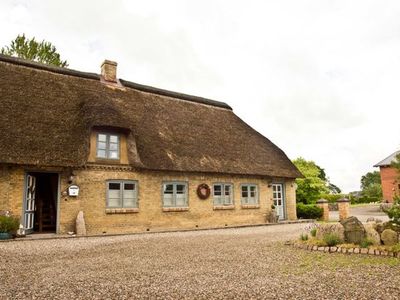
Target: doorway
[(279, 200), (40, 203)]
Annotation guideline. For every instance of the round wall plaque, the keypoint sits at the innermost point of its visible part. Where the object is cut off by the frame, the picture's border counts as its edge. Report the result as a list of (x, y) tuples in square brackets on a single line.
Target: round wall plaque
[(203, 191)]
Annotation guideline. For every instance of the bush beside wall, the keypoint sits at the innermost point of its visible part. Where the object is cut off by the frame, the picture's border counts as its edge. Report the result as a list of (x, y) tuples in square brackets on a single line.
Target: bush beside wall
[(308, 211)]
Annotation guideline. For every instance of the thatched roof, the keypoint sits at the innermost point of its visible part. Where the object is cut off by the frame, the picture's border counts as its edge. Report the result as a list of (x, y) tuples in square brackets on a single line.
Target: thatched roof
[(47, 114)]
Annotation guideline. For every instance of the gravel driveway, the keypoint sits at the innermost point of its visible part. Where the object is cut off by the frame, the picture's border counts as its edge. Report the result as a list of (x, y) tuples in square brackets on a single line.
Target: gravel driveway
[(245, 263), (362, 212)]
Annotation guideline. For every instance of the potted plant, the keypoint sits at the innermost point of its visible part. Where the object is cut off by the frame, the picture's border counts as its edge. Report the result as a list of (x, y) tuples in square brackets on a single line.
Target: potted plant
[(272, 218), (8, 226)]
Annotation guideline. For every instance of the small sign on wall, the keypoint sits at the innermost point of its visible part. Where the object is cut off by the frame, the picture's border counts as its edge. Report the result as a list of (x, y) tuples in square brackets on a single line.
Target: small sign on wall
[(73, 190)]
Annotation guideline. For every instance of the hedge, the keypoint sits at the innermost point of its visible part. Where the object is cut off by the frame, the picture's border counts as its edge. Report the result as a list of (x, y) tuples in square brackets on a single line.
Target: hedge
[(308, 211)]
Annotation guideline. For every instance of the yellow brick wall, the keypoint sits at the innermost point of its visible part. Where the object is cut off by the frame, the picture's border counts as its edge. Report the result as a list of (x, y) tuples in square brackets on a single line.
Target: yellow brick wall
[(4, 187), (290, 194), (92, 201), (11, 189)]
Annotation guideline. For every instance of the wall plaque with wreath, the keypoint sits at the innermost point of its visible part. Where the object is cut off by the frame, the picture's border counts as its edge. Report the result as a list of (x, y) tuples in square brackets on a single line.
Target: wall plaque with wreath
[(203, 191)]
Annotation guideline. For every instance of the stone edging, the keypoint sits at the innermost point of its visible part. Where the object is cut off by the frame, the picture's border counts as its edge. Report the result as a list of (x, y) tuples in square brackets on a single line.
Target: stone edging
[(356, 250)]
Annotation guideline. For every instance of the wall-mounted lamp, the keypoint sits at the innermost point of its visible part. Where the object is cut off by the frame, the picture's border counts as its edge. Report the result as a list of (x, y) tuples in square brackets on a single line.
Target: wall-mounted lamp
[(71, 177)]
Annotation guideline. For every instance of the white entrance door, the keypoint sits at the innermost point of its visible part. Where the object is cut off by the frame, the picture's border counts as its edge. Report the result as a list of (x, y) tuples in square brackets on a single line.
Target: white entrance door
[(279, 201), (30, 206)]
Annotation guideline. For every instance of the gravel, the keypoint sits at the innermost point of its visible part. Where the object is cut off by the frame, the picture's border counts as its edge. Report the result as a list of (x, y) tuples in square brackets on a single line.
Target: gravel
[(250, 263), (362, 212)]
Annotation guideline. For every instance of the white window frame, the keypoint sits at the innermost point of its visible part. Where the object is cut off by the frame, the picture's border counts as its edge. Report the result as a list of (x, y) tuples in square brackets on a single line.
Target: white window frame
[(223, 199), (121, 194), (249, 200), (108, 142), (174, 194)]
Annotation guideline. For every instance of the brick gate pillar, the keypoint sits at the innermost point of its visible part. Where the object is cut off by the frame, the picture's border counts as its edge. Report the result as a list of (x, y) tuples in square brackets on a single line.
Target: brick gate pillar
[(344, 208), (324, 205)]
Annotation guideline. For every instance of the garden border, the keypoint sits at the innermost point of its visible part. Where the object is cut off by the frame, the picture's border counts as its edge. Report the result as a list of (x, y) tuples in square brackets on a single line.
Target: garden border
[(343, 250)]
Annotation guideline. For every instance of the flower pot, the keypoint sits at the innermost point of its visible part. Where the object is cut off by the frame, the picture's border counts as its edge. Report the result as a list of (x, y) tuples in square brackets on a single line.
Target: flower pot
[(5, 235)]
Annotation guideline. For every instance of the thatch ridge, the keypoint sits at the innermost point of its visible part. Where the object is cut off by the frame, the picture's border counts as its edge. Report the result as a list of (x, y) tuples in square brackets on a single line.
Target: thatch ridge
[(47, 118), (130, 84), (162, 92), (49, 68)]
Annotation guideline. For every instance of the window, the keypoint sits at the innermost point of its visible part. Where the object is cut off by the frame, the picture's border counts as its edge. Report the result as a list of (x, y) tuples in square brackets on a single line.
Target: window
[(222, 194), (249, 194), (175, 194), (107, 146), (122, 194)]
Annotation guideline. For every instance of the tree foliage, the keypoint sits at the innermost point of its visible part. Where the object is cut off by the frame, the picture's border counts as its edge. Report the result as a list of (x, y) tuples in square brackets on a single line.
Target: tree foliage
[(370, 178), (333, 189), (43, 52), (396, 163), (310, 188), (371, 185)]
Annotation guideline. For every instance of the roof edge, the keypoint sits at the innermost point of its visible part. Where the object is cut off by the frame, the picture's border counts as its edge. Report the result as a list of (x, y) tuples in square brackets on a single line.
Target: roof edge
[(129, 84), (382, 162)]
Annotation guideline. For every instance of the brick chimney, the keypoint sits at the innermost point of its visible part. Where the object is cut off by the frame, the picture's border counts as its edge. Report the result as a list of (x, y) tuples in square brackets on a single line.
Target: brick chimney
[(109, 71)]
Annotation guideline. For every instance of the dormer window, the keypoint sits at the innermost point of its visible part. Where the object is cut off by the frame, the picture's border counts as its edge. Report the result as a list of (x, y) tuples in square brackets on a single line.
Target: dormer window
[(108, 146)]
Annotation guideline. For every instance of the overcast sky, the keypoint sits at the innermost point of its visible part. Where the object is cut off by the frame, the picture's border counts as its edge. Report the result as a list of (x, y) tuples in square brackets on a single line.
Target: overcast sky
[(321, 78)]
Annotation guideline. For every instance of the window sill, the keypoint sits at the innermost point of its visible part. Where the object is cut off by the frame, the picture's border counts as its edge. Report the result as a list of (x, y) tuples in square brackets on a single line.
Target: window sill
[(107, 161), (224, 207), (250, 206), (166, 209), (122, 210)]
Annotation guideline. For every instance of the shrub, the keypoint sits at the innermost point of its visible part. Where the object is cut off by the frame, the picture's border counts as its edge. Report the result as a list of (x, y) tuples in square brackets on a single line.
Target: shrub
[(9, 224), (313, 232), (365, 243), (396, 248), (309, 211), (394, 212), (320, 243), (304, 237), (331, 239), (332, 198), (364, 199)]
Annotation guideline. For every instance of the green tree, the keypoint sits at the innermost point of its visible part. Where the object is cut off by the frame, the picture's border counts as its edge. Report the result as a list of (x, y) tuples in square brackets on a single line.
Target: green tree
[(43, 52), (310, 188), (370, 178), (396, 163), (333, 189), (371, 185)]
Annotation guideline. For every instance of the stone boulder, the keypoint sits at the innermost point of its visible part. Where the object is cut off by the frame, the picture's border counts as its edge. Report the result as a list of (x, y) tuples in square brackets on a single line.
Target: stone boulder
[(354, 231), (327, 228), (80, 224), (379, 227), (391, 225), (389, 237), (372, 234)]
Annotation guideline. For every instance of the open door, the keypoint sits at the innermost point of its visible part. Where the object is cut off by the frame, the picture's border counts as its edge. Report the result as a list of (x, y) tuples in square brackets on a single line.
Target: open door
[(279, 200), (41, 202), (30, 203)]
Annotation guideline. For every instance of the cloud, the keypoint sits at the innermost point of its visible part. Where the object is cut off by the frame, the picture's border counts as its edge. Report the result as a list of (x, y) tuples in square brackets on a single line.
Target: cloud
[(319, 78)]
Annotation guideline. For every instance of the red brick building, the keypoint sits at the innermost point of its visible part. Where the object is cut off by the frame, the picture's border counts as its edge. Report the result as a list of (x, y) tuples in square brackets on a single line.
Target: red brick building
[(389, 177)]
